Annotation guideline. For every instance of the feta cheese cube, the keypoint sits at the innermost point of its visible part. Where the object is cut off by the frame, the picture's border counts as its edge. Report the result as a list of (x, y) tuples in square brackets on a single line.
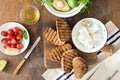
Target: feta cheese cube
[(94, 28)]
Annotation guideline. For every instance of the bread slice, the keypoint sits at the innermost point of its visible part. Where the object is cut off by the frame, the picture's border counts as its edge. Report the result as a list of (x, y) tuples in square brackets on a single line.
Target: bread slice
[(63, 30), (51, 36), (79, 67), (55, 54), (66, 61), (109, 49)]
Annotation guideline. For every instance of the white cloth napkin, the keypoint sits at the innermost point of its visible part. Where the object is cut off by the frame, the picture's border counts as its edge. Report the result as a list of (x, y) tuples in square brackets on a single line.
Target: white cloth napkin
[(113, 39), (108, 68)]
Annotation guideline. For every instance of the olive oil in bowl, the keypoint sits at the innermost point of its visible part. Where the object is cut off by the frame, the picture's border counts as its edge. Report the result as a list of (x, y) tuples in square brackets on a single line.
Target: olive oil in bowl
[(29, 14)]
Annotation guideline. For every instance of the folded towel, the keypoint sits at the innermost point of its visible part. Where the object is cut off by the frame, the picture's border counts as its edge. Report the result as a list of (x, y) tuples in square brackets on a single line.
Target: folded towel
[(113, 39), (107, 68)]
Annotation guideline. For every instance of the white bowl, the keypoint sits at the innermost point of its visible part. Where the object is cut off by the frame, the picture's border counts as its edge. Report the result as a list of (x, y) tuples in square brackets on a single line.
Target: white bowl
[(75, 33), (70, 13), (9, 25)]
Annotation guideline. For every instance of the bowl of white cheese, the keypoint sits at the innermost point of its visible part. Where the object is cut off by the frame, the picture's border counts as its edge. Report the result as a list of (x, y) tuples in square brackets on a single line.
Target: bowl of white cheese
[(89, 35)]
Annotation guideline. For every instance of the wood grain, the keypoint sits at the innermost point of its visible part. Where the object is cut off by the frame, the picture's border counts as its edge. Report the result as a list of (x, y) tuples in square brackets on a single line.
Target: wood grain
[(19, 67), (103, 10)]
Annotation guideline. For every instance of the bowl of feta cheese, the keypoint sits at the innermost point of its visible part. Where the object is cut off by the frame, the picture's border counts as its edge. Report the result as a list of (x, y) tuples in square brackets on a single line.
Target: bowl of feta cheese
[(89, 35)]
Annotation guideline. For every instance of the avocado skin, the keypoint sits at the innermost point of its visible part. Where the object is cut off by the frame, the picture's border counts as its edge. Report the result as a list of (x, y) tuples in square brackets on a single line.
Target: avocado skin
[(72, 3), (65, 8)]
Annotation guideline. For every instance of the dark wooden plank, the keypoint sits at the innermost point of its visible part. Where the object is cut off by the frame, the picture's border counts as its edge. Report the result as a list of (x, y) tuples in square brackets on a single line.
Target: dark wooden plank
[(49, 63)]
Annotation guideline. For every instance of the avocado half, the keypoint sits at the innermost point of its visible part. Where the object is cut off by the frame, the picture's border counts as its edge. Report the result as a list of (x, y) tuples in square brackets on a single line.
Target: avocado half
[(65, 6), (2, 64)]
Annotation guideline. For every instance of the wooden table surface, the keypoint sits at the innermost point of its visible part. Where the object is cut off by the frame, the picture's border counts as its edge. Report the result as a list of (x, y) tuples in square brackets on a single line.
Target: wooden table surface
[(104, 10)]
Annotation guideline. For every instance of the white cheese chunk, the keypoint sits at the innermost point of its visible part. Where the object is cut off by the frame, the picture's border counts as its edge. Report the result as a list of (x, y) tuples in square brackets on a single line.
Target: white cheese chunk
[(85, 34), (85, 38), (12, 51), (86, 43), (94, 28), (96, 37)]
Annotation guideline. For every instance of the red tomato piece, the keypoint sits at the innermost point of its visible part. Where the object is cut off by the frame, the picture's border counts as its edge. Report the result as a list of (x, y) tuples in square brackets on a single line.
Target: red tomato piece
[(4, 33), (9, 36), (19, 37), (15, 33), (6, 46), (18, 42), (9, 42), (14, 37), (19, 46), (16, 29), (4, 40), (13, 41), (13, 45), (10, 31)]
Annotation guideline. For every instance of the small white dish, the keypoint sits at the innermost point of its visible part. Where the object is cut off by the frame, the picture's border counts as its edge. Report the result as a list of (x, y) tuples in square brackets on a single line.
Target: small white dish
[(97, 46), (70, 13), (9, 25)]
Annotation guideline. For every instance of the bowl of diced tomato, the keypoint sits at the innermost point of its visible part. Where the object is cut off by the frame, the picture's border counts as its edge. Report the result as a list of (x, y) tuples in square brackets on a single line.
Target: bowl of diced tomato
[(13, 35)]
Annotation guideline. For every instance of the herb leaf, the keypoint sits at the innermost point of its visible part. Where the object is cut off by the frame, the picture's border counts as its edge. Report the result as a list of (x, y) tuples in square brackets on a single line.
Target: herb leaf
[(24, 34), (85, 8)]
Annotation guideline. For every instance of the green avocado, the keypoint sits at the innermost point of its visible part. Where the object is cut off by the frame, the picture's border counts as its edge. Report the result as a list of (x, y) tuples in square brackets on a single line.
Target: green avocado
[(2, 64), (72, 3), (60, 5)]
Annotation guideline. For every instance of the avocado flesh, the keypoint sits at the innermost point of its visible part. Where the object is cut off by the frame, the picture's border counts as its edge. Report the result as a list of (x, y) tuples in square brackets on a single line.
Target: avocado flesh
[(64, 8), (2, 64), (72, 3)]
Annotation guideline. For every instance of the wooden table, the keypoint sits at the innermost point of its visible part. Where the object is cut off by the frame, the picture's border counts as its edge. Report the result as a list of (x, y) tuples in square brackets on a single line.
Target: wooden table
[(104, 10)]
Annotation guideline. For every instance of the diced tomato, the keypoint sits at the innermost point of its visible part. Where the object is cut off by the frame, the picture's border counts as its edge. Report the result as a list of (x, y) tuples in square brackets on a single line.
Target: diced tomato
[(13, 45), (4, 33), (19, 37), (10, 31), (19, 46), (13, 41), (4, 40), (6, 46), (9, 36), (14, 36), (18, 42), (9, 42), (16, 29), (15, 33)]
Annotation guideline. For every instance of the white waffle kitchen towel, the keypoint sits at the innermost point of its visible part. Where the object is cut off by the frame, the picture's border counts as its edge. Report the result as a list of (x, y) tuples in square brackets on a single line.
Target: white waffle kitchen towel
[(108, 68), (113, 39)]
